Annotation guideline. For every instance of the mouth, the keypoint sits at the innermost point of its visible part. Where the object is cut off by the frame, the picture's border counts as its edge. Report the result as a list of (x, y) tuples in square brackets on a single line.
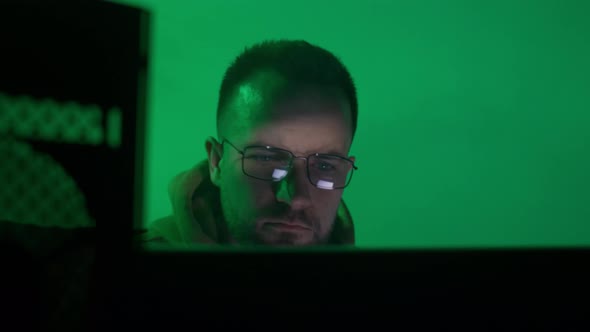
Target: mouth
[(291, 226)]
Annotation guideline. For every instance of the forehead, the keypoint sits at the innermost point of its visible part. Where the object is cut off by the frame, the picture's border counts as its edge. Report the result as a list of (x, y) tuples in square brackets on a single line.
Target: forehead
[(267, 107)]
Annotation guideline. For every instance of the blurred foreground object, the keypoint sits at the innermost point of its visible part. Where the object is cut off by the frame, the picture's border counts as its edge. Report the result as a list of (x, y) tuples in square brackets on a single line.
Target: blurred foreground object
[(72, 115), (47, 274)]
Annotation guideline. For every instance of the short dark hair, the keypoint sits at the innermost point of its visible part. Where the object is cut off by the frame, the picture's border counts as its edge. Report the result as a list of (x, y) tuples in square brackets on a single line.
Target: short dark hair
[(296, 61)]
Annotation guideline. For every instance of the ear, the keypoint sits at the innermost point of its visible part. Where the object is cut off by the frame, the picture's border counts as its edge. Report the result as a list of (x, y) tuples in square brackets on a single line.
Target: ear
[(214, 155)]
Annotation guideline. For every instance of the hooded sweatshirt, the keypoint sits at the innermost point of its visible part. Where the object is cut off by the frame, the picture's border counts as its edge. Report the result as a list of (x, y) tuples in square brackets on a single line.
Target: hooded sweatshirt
[(197, 218)]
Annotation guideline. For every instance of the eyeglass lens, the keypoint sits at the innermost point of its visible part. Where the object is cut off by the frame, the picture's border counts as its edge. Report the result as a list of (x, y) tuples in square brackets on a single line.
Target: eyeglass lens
[(325, 172)]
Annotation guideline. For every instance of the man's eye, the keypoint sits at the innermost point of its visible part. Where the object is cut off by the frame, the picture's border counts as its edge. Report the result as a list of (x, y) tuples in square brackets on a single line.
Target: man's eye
[(324, 166), (264, 158)]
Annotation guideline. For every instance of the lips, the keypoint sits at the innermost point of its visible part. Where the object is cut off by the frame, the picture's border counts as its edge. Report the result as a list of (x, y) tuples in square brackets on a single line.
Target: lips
[(289, 225)]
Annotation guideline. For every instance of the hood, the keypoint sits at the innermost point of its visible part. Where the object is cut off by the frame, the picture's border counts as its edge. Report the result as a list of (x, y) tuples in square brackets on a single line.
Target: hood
[(197, 213)]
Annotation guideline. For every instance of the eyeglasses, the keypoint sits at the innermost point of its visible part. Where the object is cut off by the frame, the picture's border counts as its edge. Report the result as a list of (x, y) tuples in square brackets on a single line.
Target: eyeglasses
[(324, 171)]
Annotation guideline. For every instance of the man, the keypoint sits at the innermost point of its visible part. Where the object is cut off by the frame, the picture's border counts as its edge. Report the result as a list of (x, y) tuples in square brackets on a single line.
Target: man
[(275, 174)]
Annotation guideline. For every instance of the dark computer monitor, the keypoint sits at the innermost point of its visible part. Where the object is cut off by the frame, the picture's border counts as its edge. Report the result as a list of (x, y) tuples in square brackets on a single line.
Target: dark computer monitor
[(335, 289), (72, 113)]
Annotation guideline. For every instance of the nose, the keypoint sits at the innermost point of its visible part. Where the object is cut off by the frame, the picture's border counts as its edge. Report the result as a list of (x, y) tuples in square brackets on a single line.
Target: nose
[(294, 189)]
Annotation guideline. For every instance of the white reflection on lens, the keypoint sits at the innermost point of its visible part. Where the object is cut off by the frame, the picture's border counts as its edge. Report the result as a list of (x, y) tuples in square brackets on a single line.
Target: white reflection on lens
[(278, 174), (325, 185)]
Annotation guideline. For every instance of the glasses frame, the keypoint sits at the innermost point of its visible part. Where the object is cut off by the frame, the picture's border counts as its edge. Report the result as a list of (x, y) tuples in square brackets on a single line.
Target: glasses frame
[(293, 157)]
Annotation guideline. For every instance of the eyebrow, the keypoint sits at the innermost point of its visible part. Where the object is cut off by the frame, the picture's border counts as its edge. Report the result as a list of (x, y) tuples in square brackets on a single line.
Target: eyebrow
[(330, 151)]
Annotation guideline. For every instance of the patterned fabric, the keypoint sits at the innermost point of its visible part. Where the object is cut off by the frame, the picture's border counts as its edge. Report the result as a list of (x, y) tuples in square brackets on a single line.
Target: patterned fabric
[(34, 184)]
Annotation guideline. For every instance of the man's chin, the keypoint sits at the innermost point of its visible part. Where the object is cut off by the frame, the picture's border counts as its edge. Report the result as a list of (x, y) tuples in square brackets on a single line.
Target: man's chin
[(288, 239)]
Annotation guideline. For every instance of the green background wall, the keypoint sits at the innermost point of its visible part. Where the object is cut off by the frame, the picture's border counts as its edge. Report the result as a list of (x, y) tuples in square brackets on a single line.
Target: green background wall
[(474, 120)]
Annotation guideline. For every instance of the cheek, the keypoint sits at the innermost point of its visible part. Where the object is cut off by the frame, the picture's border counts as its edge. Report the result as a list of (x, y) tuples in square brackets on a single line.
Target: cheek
[(326, 198), (247, 192), (326, 207), (235, 187), (262, 194)]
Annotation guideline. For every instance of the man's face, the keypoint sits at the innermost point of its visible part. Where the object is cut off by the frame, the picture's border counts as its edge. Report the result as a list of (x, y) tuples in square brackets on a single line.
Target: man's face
[(292, 211)]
